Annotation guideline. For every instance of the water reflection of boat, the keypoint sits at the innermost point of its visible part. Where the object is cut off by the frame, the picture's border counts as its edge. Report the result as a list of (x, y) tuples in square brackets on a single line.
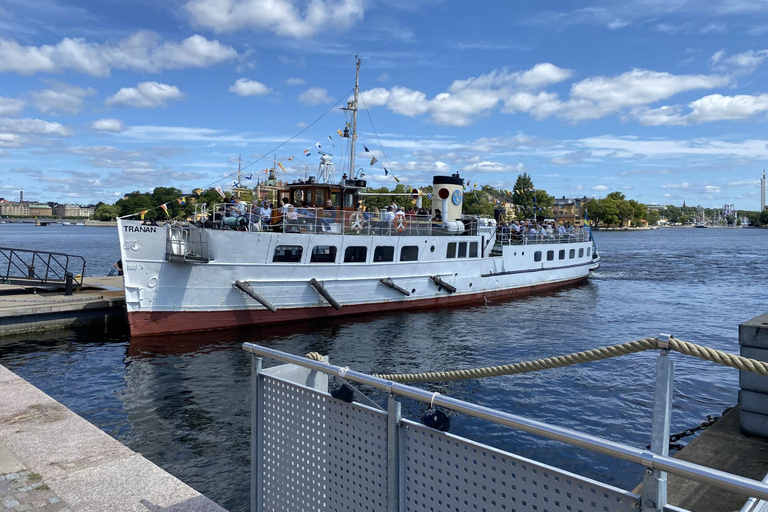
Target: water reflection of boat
[(333, 259)]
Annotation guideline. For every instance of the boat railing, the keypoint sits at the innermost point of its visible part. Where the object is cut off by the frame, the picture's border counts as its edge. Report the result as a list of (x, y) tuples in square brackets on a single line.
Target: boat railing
[(510, 237), (323, 221)]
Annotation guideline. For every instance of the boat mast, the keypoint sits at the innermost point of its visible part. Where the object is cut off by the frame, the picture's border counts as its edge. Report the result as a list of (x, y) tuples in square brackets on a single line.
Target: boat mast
[(239, 163), (353, 108)]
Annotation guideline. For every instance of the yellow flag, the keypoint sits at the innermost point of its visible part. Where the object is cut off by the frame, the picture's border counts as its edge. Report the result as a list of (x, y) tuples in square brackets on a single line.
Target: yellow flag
[(281, 166), (142, 213)]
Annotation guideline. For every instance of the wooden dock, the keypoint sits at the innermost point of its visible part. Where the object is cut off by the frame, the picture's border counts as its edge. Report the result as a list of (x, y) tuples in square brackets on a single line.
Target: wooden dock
[(25, 309)]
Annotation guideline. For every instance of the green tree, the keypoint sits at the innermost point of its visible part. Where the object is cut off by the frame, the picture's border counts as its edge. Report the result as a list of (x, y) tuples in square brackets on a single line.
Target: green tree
[(106, 212), (653, 217), (523, 193)]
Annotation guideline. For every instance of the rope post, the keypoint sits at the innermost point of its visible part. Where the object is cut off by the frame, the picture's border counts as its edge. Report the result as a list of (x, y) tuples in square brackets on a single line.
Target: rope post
[(257, 451), (654, 497), (393, 453)]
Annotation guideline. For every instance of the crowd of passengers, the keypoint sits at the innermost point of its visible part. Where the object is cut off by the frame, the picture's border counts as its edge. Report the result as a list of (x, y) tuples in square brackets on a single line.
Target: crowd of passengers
[(531, 230), (266, 214)]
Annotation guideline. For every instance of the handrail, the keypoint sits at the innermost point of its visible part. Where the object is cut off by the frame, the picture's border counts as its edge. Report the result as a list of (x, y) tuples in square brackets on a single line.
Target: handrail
[(646, 458), (43, 266)]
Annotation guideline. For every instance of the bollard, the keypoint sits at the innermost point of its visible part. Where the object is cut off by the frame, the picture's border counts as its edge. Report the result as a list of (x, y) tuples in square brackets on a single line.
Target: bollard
[(31, 271), (68, 283)]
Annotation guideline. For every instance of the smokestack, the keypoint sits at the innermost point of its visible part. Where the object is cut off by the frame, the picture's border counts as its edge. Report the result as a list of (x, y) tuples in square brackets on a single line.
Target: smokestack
[(21, 196)]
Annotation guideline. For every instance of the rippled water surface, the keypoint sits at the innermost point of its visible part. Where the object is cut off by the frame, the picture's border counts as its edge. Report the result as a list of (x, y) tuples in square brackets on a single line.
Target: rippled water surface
[(182, 401)]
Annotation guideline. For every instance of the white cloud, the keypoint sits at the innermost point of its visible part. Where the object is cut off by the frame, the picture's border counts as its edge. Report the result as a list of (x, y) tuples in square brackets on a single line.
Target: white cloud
[(315, 96), (712, 189), (684, 184), (145, 95), (716, 107), (599, 188), (599, 96), (10, 106), (108, 125), (61, 98), (33, 126), (739, 64), (282, 17), (142, 51), (295, 81), (745, 183), (246, 87), (487, 166)]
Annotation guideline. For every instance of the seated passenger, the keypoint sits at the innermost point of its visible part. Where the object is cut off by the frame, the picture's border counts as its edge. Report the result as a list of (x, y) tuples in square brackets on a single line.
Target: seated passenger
[(438, 218)]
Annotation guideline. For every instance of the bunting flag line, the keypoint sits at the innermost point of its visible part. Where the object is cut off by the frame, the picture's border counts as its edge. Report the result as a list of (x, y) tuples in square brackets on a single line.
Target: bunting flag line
[(182, 201), (143, 213), (330, 139), (366, 148), (373, 160), (318, 145), (341, 134), (396, 179), (165, 209), (386, 172), (249, 176), (281, 166), (221, 192), (291, 158), (198, 191), (235, 184), (306, 152)]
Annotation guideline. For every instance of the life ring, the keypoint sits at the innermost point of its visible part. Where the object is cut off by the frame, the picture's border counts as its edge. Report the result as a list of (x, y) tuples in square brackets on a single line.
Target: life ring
[(400, 222), (356, 221)]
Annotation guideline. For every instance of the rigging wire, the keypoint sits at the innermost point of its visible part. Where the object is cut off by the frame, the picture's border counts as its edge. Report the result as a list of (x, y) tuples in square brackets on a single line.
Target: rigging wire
[(368, 113), (285, 142)]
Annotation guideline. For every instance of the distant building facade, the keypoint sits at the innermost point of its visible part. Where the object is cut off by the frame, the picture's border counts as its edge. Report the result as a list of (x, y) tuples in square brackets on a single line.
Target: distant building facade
[(39, 210), (14, 208), (73, 210), (569, 210), (728, 209)]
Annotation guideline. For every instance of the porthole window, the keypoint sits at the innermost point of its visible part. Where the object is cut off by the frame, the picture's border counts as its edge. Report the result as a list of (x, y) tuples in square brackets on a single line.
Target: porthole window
[(432, 249)]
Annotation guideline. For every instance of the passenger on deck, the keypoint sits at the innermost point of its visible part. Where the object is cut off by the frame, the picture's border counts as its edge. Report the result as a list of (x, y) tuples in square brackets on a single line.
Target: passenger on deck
[(438, 218), (266, 213)]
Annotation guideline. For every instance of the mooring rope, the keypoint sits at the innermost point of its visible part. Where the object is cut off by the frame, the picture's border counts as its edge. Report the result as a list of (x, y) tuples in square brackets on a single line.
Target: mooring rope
[(598, 354)]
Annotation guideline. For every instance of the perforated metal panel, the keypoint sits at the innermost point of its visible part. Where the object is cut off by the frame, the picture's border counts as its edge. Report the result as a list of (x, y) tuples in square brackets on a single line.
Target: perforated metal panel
[(320, 453), (449, 473)]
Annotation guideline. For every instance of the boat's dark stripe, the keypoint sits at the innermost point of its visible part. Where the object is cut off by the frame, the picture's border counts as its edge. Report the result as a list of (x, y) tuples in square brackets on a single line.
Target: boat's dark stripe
[(509, 272)]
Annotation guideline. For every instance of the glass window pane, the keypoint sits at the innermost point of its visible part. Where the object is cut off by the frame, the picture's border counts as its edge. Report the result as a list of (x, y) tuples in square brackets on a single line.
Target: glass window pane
[(384, 253), (550, 255), (537, 256), (561, 254), (473, 250), (355, 254), (323, 254), (451, 251), (409, 253), (462, 249), (287, 254)]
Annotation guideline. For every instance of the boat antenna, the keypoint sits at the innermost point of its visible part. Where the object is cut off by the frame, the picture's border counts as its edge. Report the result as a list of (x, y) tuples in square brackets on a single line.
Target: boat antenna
[(239, 170), (353, 107)]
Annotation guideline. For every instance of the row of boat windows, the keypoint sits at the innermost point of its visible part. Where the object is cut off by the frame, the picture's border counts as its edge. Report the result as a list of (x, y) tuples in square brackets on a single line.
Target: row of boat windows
[(358, 254), (561, 254)]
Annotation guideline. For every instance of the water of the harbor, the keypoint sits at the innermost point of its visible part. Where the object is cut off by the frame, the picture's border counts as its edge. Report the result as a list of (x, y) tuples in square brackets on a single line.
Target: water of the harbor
[(183, 401)]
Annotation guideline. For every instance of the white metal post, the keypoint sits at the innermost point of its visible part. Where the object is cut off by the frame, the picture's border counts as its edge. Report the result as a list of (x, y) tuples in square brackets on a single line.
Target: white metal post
[(256, 446), (655, 482), (393, 454)]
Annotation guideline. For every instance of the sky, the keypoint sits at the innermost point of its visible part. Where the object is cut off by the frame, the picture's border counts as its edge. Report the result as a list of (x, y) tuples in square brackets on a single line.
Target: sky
[(664, 101)]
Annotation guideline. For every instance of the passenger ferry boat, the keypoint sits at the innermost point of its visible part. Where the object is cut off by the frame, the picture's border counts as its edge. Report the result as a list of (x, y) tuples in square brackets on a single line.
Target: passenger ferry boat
[(320, 263)]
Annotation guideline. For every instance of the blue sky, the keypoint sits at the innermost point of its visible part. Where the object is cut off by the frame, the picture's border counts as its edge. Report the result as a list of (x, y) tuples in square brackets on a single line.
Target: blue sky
[(664, 101)]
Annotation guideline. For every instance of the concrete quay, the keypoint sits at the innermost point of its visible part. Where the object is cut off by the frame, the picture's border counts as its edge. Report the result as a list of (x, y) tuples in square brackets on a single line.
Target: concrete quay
[(55, 461), (25, 309)]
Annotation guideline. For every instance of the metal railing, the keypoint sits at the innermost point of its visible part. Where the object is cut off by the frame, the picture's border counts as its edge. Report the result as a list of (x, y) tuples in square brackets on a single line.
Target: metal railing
[(656, 461), (22, 266), (509, 237)]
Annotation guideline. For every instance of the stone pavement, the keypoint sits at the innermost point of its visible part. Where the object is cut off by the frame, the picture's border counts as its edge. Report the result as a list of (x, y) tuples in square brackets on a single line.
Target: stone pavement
[(53, 460)]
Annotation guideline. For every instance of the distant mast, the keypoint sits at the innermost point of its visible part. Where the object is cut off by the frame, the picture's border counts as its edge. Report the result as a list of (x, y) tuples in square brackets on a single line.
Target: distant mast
[(762, 192)]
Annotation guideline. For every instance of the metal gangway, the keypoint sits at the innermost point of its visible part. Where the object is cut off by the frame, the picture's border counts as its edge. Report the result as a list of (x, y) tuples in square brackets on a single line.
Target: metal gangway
[(41, 269), (311, 451)]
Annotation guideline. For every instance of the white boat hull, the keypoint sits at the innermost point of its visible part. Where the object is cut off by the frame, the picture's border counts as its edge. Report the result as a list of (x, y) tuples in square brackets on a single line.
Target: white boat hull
[(164, 296)]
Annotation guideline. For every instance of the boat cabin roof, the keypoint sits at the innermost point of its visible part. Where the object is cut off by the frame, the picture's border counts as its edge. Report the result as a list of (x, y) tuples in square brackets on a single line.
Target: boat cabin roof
[(344, 195)]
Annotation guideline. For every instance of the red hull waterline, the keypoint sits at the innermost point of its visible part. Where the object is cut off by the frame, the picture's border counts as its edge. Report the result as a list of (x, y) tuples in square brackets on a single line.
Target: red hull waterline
[(171, 322)]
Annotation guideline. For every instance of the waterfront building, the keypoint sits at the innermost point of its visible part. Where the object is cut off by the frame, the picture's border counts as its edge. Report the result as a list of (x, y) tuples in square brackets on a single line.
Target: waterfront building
[(569, 210), (14, 208), (73, 210), (39, 210)]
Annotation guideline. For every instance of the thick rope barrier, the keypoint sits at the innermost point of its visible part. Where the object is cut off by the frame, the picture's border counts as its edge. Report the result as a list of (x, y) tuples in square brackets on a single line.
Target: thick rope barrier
[(588, 356)]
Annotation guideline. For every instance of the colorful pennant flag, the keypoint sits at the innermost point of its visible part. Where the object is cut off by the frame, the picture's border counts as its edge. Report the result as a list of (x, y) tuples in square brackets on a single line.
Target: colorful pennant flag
[(249, 176), (290, 158), (198, 191), (182, 201), (318, 145), (165, 209), (306, 152), (341, 134), (386, 172), (373, 160), (281, 166), (221, 192), (330, 139), (143, 213), (235, 184)]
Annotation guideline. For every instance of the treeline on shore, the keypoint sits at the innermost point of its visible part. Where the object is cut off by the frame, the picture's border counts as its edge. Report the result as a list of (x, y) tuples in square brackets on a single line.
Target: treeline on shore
[(613, 210)]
